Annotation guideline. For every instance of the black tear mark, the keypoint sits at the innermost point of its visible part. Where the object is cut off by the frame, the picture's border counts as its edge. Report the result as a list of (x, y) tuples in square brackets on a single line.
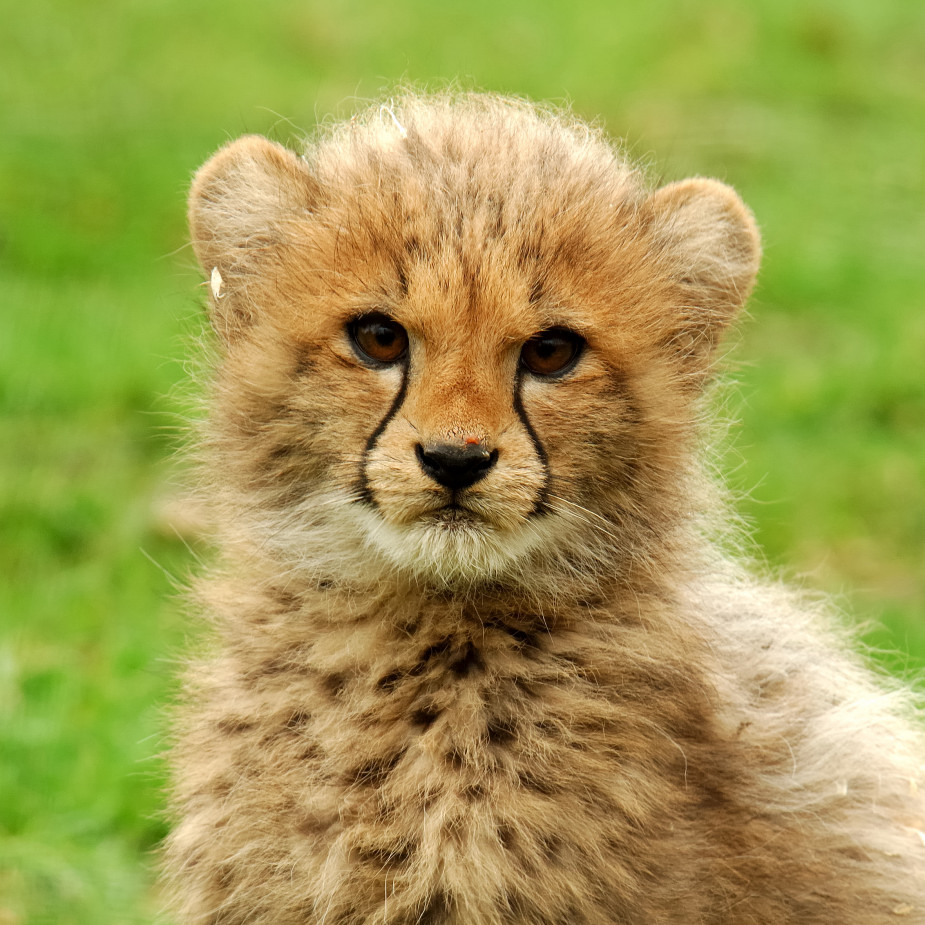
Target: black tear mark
[(363, 490), (541, 506)]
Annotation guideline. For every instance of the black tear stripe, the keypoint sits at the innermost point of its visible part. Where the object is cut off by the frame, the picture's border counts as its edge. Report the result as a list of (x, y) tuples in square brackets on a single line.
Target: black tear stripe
[(365, 495), (541, 506)]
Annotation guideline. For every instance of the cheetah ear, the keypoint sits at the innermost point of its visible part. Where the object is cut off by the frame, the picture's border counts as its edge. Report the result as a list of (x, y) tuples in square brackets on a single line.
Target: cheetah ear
[(711, 250), (242, 207)]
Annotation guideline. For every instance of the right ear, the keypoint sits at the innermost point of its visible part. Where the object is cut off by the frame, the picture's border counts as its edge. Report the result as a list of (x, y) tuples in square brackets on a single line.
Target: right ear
[(240, 204)]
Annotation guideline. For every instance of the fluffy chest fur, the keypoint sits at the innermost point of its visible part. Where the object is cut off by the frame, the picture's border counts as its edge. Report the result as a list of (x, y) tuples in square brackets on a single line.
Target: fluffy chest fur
[(475, 660), (424, 761)]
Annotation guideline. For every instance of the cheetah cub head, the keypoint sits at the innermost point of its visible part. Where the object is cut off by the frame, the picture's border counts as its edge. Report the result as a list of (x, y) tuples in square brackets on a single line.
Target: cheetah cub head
[(461, 340)]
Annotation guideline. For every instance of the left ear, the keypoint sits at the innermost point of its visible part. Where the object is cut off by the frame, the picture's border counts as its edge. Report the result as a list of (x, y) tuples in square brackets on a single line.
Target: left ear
[(710, 246)]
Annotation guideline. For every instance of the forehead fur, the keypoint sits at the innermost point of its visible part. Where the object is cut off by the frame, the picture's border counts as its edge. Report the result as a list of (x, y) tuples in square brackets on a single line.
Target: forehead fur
[(479, 151), (517, 216), (478, 199)]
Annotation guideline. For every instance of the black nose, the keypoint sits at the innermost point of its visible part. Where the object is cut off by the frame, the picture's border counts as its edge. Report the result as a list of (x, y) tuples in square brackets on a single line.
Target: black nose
[(455, 466)]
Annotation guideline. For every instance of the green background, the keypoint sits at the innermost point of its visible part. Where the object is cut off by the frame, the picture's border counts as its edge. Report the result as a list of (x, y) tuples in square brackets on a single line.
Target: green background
[(814, 110)]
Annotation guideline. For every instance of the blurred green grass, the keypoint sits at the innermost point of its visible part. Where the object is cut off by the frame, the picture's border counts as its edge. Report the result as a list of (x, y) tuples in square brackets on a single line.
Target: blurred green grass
[(814, 110)]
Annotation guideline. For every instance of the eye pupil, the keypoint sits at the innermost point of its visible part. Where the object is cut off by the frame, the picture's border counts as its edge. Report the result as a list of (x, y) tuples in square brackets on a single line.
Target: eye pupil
[(552, 353), (379, 338)]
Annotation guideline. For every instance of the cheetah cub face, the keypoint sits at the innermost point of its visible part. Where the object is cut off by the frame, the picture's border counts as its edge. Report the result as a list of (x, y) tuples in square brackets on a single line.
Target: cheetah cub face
[(459, 345), (455, 477)]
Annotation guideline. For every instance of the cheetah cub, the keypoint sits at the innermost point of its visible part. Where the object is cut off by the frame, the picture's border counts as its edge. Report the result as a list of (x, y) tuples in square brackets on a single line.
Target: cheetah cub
[(477, 659)]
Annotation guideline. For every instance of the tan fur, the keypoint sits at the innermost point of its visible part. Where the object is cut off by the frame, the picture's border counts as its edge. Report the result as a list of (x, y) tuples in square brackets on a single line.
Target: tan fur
[(558, 703)]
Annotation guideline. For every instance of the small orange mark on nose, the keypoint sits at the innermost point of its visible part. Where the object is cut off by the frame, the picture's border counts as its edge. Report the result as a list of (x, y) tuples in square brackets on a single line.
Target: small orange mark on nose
[(471, 441)]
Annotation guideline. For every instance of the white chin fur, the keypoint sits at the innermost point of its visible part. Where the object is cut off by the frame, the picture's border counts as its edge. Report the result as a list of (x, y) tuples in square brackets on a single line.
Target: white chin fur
[(449, 552)]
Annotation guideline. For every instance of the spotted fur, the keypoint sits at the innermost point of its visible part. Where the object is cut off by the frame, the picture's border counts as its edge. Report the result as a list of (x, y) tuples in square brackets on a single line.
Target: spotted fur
[(548, 697)]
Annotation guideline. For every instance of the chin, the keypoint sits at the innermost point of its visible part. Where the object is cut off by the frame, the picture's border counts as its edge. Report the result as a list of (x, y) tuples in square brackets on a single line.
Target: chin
[(452, 547)]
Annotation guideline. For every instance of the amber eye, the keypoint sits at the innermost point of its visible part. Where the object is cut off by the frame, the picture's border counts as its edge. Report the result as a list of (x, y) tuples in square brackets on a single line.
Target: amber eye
[(379, 338), (553, 352)]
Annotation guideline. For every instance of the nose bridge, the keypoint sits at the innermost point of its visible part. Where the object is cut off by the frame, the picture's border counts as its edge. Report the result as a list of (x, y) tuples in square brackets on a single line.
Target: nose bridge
[(458, 394)]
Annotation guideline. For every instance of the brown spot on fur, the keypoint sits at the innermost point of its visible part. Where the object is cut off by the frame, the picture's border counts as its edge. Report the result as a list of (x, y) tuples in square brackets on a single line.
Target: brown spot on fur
[(435, 911), (548, 729), (298, 719), (305, 364), (474, 792), (375, 772), (402, 278), (333, 684), (538, 783), (527, 687), (312, 753), (234, 725), (467, 662), (390, 681), (383, 858), (425, 717), (313, 826), (281, 452), (286, 601), (523, 638), (454, 758), (438, 648), (225, 876), (501, 732), (551, 846)]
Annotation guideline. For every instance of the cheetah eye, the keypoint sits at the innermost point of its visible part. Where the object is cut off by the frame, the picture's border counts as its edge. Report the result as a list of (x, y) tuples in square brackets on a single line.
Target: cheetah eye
[(552, 353), (378, 338)]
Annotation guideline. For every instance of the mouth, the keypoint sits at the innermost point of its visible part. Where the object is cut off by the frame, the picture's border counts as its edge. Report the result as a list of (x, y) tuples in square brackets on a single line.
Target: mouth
[(454, 516), (451, 540)]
